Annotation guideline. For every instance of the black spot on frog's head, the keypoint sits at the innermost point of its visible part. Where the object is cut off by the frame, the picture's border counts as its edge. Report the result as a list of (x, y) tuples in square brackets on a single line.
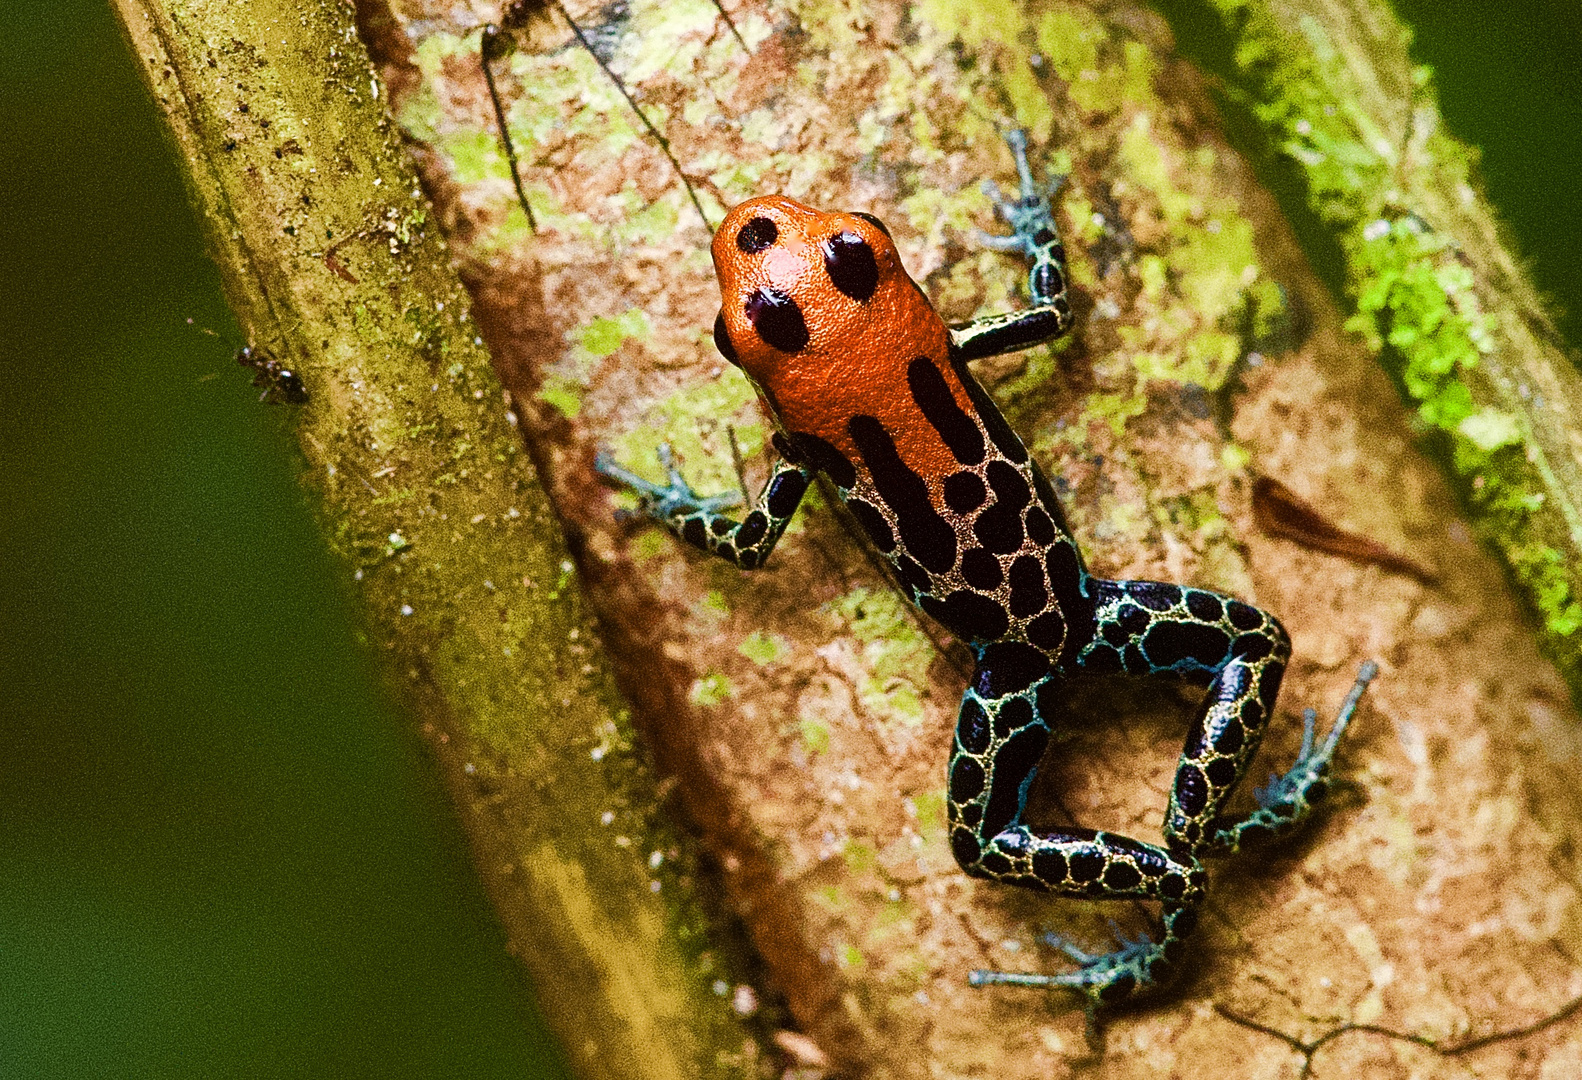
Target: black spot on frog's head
[(756, 235), (851, 266), (778, 319)]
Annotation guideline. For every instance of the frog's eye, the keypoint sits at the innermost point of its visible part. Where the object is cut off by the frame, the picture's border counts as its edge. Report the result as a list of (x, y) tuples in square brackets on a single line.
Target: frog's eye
[(756, 235), (851, 266), (722, 340), (871, 220), (778, 320)]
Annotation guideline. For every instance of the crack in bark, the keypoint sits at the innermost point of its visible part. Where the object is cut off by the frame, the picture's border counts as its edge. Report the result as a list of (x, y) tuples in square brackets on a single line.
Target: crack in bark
[(1309, 1050)]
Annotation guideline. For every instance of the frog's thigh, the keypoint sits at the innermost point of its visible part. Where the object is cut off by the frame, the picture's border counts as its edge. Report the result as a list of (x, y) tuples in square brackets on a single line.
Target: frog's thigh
[(1157, 628)]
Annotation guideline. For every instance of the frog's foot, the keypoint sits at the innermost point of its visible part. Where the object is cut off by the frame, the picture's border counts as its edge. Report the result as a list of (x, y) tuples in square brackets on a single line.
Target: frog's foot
[(1290, 798), (668, 502), (1035, 237), (1140, 966), (699, 519), (1030, 214)]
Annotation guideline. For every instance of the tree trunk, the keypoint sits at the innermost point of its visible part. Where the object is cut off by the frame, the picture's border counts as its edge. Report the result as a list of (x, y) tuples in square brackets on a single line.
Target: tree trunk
[(803, 713), (331, 260)]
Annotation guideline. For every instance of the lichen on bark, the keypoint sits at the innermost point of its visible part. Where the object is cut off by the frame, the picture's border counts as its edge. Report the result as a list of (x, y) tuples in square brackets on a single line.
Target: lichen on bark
[(1438, 293)]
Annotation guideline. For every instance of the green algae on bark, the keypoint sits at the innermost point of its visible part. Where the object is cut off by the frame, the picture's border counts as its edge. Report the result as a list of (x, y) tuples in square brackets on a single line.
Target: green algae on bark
[(329, 254)]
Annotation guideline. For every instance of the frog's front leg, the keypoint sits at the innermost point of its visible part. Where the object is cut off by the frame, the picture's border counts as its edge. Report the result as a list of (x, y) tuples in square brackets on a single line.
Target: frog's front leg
[(698, 519), (1033, 219)]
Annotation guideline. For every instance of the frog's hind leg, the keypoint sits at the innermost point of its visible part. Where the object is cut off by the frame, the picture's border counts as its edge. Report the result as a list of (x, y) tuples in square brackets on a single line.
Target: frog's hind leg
[(1151, 628), (1237, 651), (1240, 653), (1290, 798), (1001, 734)]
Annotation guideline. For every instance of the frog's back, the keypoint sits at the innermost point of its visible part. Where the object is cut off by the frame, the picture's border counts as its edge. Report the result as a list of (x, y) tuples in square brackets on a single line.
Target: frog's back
[(857, 368)]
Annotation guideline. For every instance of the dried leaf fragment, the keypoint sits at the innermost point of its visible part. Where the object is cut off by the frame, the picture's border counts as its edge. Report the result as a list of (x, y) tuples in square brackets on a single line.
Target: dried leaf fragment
[(1279, 511)]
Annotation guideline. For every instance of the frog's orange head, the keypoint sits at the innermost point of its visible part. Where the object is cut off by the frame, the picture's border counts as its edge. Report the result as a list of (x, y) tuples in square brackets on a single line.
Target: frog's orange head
[(818, 311)]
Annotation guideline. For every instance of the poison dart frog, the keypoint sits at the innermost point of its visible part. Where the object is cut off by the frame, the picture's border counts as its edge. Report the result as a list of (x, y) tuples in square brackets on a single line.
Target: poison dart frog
[(868, 386)]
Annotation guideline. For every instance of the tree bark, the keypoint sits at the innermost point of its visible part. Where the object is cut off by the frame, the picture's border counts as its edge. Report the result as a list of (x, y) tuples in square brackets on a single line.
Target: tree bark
[(331, 260), (806, 712), (803, 714)]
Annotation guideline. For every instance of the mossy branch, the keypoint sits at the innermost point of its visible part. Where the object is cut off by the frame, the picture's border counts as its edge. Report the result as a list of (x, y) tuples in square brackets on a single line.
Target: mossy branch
[(330, 259), (1439, 293)]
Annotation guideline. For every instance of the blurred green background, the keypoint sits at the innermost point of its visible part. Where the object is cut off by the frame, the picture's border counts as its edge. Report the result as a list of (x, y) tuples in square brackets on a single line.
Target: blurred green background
[(1510, 82), (222, 851)]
